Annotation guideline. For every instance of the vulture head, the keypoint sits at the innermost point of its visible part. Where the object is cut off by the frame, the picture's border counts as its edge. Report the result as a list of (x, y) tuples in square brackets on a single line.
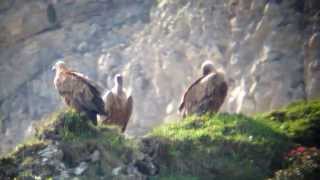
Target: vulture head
[(207, 68), (59, 65), (118, 80)]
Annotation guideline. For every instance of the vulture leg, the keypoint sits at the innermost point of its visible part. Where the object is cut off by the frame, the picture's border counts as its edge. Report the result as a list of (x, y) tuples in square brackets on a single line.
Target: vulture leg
[(124, 127), (94, 120)]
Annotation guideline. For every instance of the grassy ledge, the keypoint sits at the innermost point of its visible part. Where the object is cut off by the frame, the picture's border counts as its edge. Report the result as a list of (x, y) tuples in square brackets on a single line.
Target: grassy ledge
[(222, 146), (300, 121), (282, 144)]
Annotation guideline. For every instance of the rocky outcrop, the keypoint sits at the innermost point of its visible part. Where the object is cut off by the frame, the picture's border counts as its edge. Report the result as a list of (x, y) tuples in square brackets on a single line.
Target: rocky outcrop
[(267, 49)]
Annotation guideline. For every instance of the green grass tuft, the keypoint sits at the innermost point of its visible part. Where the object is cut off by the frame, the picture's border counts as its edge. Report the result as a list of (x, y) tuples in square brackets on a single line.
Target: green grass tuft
[(66, 125)]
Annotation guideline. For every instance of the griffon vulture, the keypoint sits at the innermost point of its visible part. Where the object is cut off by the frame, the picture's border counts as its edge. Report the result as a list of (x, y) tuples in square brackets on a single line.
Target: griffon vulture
[(78, 92), (206, 94), (118, 104)]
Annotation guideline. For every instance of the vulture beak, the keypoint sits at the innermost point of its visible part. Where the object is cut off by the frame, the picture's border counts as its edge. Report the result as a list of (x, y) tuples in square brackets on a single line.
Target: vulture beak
[(53, 68)]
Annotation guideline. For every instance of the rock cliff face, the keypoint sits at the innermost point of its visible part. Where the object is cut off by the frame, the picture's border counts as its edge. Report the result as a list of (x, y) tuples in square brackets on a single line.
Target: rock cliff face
[(267, 49)]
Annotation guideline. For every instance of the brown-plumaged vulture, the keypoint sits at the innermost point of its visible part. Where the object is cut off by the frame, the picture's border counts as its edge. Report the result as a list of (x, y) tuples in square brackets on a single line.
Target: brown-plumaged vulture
[(206, 94), (118, 104), (78, 92)]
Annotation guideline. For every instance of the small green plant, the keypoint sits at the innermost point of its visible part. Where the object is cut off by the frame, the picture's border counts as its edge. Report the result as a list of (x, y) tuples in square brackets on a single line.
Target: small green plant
[(66, 125), (75, 126)]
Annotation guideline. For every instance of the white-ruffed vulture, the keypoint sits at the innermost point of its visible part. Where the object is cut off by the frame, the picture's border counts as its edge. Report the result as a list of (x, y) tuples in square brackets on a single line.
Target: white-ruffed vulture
[(206, 94), (78, 92), (118, 104)]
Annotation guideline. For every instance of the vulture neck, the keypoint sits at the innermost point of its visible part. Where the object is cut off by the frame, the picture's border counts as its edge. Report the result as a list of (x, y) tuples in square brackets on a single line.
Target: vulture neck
[(61, 70), (118, 88)]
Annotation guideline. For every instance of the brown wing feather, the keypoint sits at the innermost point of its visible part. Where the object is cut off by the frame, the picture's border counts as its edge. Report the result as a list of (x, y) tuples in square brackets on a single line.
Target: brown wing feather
[(87, 79), (84, 94), (129, 107), (187, 93), (214, 96), (108, 100)]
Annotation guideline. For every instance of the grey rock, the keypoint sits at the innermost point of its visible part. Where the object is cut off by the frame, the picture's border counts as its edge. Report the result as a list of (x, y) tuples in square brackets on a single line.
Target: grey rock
[(51, 152), (146, 167), (94, 29), (79, 170), (117, 171), (83, 47), (131, 169), (63, 175), (95, 156)]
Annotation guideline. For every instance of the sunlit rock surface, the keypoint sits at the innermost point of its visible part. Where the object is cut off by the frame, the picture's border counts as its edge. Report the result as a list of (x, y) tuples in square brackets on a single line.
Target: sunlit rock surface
[(267, 49)]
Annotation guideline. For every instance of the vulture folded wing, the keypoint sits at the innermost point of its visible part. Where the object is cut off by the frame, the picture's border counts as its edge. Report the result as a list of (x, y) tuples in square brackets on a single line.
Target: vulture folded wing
[(129, 106), (215, 92), (128, 112), (84, 95), (190, 97), (86, 78), (108, 99)]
